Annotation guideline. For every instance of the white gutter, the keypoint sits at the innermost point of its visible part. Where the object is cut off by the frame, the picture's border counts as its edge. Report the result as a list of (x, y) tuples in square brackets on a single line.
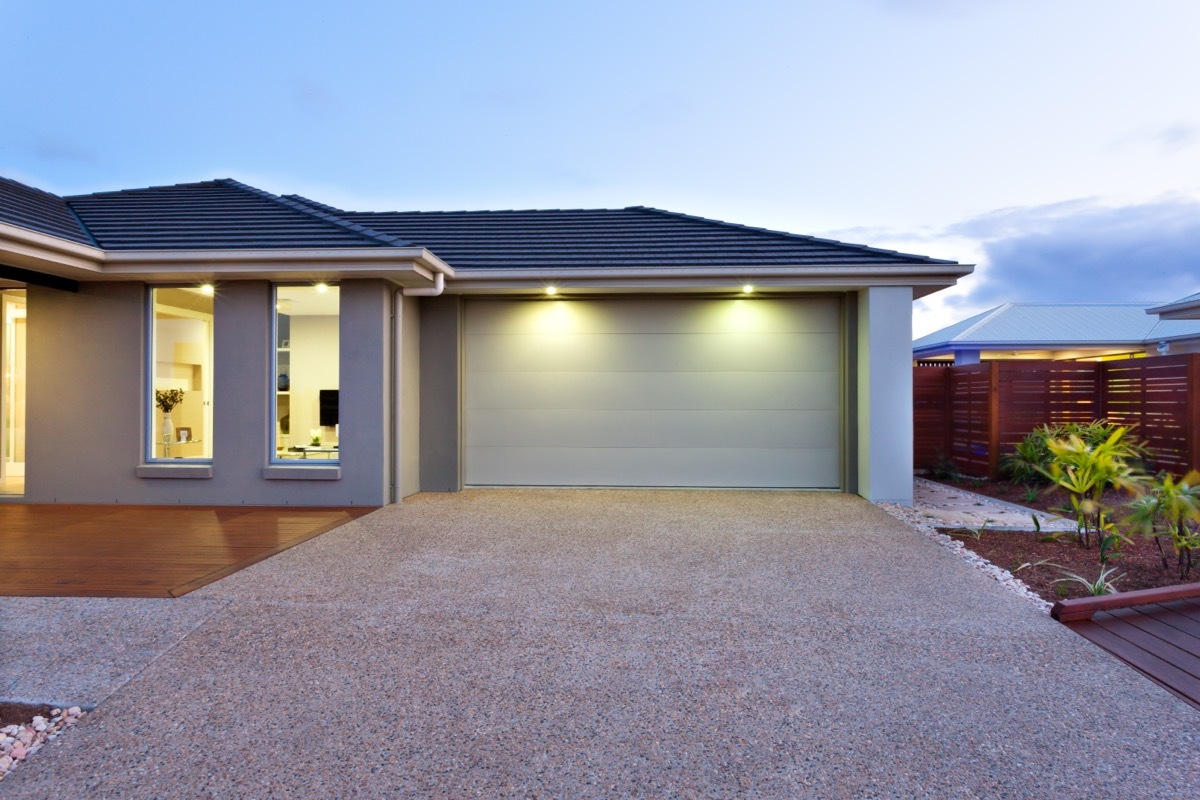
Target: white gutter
[(439, 285)]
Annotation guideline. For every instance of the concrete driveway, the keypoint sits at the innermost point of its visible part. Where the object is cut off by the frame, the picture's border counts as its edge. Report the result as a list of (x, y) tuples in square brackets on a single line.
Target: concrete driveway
[(615, 644)]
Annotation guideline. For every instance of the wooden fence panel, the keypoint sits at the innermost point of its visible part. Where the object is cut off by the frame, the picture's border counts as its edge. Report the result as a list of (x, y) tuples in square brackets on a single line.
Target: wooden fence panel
[(931, 424), (1034, 393), (1157, 398), (971, 397), (977, 413)]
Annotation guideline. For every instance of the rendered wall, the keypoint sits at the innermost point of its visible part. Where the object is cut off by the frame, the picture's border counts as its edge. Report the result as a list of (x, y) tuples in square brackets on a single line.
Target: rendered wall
[(885, 394), (86, 378), (409, 310), (441, 337)]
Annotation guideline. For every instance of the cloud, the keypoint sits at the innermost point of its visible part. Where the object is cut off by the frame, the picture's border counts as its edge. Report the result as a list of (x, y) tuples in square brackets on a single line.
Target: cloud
[(54, 148), (313, 98), (1082, 251), (1172, 138)]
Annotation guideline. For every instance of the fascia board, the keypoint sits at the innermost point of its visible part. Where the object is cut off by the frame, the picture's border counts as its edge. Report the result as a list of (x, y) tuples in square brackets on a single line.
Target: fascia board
[(1189, 310), (22, 247), (938, 271), (714, 279), (1047, 345)]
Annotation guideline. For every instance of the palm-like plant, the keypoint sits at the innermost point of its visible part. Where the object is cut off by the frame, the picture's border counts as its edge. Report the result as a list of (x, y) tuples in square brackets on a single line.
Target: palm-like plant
[(1171, 508), (1085, 471), (1104, 584)]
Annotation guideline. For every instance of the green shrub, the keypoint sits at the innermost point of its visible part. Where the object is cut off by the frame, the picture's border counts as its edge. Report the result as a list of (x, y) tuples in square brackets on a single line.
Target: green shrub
[(1085, 472), (1030, 459), (1171, 510)]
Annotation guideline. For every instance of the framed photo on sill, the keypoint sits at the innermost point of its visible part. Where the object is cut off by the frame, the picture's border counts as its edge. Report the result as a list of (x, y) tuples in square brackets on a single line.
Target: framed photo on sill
[(183, 435)]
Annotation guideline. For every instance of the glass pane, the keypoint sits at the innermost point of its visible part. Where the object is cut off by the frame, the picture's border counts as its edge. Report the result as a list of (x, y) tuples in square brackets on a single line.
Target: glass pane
[(182, 357), (306, 372), (12, 392)]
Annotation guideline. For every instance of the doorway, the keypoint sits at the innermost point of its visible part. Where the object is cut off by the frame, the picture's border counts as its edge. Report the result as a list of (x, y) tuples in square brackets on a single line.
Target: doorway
[(12, 391)]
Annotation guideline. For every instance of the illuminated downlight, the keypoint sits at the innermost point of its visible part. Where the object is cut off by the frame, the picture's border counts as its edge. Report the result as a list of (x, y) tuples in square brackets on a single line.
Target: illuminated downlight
[(207, 289), (322, 287), (551, 291), (748, 289)]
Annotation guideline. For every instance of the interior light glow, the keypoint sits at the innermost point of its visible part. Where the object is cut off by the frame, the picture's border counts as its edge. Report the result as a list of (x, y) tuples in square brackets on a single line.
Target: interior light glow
[(748, 289), (551, 291), (207, 289), (322, 287)]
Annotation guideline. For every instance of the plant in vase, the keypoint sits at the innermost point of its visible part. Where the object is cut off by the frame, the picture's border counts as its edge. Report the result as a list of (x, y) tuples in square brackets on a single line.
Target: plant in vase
[(315, 435), (167, 399)]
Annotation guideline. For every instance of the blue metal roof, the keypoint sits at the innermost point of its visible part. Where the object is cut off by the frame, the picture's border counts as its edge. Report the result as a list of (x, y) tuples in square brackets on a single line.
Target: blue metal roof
[(1050, 325)]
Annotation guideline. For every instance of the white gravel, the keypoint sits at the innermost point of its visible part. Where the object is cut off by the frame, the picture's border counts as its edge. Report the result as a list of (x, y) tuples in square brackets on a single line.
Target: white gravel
[(915, 518), (19, 742)]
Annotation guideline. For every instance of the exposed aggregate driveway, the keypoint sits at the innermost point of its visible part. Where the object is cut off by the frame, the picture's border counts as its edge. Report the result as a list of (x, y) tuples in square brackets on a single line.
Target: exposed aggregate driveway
[(563, 644)]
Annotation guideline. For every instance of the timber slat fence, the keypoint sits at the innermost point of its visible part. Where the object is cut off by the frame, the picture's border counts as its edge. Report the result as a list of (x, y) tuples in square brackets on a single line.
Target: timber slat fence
[(973, 415)]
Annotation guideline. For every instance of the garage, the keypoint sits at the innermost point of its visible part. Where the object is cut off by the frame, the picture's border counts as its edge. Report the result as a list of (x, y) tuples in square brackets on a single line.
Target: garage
[(679, 392)]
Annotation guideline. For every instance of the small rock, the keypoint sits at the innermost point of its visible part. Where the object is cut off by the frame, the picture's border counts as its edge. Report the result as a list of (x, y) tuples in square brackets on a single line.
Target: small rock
[(74, 711), (18, 753)]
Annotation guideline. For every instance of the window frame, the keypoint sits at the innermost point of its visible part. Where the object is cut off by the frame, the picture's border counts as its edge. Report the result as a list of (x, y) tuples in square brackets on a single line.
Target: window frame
[(273, 451), (152, 442)]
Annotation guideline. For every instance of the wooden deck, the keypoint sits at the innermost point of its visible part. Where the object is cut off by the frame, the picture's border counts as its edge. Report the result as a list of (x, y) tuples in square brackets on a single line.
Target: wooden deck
[(1156, 631), (144, 551)]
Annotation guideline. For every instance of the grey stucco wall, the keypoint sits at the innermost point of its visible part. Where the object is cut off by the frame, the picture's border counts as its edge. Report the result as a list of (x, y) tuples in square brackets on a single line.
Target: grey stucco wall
[(441, 335), (85, 437), (410, 395), (885, 394)]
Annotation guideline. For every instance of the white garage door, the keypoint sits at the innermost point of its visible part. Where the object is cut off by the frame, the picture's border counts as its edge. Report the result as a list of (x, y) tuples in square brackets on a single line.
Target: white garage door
[(673, 392)]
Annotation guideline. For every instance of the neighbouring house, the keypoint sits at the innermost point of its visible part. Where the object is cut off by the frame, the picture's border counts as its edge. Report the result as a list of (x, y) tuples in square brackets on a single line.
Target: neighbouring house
[(1184, 308), (1059, 332), (212, 343)]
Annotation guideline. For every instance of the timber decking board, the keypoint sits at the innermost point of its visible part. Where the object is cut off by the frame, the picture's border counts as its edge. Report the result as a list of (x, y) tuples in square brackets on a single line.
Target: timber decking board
[(144, 551), (1160, 640)]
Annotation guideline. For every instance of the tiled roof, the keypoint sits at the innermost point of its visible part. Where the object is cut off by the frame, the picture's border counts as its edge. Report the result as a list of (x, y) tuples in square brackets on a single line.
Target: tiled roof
[(216, 214), (39, 211), (610, 238), (225, 214), (1048, 324)]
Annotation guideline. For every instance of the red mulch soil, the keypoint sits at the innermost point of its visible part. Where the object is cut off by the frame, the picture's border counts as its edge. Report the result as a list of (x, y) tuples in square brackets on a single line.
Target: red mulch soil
[(21, 713), (1139, 560)]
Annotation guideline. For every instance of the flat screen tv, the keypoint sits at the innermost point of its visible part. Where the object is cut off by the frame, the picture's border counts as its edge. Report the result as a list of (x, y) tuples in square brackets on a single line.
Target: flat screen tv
[(329, 408)]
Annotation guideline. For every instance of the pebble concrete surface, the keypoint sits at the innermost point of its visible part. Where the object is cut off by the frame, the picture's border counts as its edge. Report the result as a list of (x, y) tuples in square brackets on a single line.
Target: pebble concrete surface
[(578, 644)]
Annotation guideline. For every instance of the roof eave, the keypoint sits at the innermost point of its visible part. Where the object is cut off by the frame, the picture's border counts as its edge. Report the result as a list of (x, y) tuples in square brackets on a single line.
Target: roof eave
[(27, 249), (925, 279), (952, 347), (1186, 309)]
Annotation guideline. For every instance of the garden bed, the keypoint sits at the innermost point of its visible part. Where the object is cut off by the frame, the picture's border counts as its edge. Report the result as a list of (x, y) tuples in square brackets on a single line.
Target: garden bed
[(1138, 562)]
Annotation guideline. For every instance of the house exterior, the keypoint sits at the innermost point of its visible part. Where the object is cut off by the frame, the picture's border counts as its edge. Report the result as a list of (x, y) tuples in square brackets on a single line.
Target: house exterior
[(1058, 332), (1183, 308), (211, 343)]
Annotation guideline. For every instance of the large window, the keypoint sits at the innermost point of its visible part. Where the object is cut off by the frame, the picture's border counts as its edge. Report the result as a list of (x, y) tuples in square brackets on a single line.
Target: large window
[(181, 357), (12, 392), (306, 373)]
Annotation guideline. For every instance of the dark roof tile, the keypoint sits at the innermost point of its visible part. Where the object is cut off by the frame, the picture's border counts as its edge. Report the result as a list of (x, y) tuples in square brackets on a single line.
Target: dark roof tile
[(39, 211), (215, 215), (598, 238)]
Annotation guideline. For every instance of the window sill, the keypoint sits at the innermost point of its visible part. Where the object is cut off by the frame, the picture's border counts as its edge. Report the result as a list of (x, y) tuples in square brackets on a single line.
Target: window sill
[(186, 471), (313, 473)]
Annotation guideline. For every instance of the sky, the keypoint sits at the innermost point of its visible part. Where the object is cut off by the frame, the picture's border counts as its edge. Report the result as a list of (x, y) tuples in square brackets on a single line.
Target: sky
[(1056, 145)]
